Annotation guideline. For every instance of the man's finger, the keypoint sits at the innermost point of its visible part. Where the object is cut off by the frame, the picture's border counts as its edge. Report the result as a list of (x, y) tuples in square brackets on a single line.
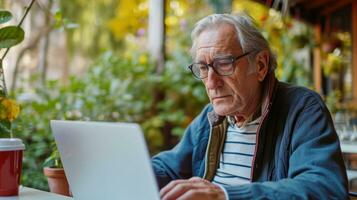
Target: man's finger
[(178, 190), (195, 194), (198, 179), (169, 186)]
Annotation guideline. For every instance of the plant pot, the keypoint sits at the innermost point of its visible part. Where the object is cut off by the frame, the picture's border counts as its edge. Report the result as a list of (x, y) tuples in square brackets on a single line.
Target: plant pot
[(57, 180)]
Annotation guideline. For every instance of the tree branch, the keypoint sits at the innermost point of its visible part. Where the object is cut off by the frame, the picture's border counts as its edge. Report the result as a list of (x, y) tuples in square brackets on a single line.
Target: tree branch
[(23, 17)]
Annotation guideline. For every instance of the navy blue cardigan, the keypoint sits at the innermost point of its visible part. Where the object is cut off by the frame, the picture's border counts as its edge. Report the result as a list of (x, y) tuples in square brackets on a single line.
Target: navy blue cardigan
[(298, 154)]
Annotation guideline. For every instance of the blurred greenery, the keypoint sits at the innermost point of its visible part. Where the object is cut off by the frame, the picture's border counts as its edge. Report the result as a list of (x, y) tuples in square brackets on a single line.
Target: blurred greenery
[(333, 101), (92, 37), (288, 38), (113, 89), (121, 84)]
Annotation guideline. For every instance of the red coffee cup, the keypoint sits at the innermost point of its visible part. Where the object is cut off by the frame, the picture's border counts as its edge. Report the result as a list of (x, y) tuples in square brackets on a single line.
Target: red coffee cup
[(10, 165)]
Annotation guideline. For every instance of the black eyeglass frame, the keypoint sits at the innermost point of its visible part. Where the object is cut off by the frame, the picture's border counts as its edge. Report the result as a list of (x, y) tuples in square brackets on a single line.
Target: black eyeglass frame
[(208, 65)]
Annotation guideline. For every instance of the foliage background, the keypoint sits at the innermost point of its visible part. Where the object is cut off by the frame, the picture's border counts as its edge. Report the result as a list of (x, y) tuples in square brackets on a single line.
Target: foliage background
[(119, 82)]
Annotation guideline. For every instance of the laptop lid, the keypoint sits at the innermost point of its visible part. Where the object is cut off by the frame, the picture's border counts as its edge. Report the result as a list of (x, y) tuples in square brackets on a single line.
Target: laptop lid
[(105, 160)]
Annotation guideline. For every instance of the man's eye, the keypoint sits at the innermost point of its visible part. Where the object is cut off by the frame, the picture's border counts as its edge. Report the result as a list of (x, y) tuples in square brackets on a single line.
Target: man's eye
[(202, 67)]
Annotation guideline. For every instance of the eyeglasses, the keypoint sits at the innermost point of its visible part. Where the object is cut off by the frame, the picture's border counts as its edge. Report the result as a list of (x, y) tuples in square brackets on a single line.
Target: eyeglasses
[(222, 66)]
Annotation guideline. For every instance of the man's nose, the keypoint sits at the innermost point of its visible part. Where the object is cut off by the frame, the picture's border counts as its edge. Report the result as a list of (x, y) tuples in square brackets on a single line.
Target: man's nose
[(213, 80)]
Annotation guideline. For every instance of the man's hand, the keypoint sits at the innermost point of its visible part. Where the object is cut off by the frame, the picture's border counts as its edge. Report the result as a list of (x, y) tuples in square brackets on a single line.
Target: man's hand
[(194, 188)]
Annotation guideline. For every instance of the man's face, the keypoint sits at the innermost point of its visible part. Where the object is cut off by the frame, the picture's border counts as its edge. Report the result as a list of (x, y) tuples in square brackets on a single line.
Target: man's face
[(237, 94)]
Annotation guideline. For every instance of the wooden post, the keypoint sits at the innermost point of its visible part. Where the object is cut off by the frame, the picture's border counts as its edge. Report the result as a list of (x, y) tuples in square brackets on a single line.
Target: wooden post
[(354, 50), (157, 56), (317, 60), (157, 33)]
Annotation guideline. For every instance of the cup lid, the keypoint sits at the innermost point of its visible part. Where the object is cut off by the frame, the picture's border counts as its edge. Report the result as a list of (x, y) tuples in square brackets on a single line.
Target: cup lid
[(11, 144)]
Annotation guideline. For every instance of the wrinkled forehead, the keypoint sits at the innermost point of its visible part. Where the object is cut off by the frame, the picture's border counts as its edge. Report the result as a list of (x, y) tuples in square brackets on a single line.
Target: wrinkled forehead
[(217, 41)]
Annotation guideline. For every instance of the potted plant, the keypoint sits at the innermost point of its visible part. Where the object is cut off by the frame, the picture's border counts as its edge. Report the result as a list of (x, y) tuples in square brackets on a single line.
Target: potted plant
[(11, 149), (56, 177)]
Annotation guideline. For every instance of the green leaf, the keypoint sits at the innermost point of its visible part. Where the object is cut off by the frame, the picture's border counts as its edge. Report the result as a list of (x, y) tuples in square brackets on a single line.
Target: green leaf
[(58, 15), (5, 127), (11, 36), (5, 16)]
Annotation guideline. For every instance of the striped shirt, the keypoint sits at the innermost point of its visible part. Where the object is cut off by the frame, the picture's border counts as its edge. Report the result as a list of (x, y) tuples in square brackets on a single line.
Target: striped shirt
[(237, 156)]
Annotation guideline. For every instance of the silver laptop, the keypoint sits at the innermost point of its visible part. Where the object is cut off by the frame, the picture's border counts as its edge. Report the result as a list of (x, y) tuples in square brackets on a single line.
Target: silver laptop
[(106, 161)]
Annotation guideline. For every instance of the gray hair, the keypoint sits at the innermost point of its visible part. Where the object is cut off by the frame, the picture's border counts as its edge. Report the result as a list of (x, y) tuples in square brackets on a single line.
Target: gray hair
[(250, 38)]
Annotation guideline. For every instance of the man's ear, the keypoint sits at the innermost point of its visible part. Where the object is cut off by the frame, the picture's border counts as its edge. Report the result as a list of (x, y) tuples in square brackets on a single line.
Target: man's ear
[(262, 64)]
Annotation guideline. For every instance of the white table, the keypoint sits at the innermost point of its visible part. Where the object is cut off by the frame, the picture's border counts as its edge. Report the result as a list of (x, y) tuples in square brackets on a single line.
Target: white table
[(348, 147), (33, 194)]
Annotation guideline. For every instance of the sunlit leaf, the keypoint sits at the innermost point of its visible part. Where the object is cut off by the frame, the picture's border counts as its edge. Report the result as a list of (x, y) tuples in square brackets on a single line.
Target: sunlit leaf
[(58, 19), (10, 36), (5, 16), (58, 15)]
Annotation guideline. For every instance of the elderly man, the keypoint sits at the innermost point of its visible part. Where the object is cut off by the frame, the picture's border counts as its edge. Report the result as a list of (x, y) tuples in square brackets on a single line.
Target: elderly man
[(259, 138)]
